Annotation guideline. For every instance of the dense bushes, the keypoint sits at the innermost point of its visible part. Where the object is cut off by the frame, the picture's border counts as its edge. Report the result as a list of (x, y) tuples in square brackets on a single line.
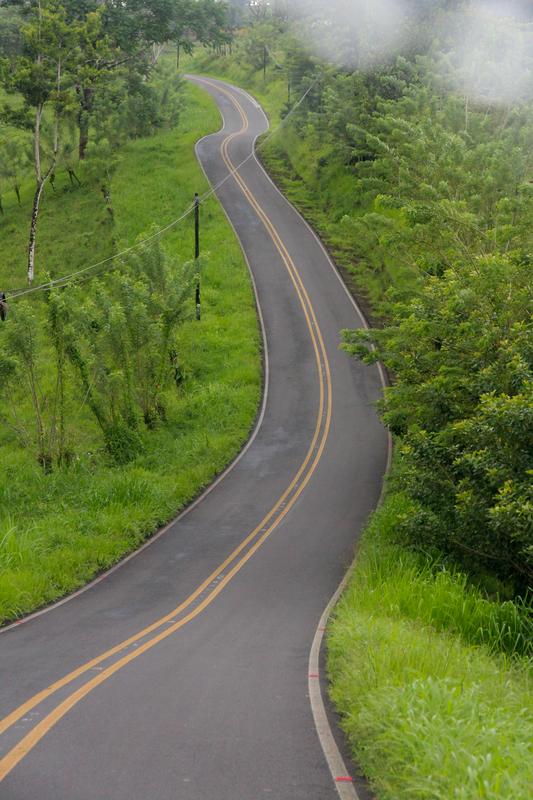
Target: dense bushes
[(119, 342), (452, 243), (461, 406)]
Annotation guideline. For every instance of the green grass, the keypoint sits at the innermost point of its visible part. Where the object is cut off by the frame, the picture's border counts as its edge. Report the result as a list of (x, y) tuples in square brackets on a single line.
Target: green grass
[(74, 231), (57, 531), (403, 584), (430, 712)]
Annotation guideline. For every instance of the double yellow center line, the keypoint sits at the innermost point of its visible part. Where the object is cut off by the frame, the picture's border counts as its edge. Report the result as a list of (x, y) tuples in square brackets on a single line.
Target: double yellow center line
[(206, 592)]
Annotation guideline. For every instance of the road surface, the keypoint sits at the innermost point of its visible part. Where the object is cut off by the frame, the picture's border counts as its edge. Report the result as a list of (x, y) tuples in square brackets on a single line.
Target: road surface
[(184, 675)]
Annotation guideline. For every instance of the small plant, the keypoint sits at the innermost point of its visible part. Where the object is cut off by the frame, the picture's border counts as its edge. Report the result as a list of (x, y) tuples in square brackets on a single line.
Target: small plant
[(23, 343)]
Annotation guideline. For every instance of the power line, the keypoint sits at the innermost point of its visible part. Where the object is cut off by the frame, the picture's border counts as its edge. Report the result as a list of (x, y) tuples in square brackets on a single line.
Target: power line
[(65, 280), (58, 282)]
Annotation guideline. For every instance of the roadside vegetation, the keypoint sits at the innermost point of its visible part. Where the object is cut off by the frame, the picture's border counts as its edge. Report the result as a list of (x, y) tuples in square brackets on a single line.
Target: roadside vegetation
[(422, 190), (427, 675), (117, 405)]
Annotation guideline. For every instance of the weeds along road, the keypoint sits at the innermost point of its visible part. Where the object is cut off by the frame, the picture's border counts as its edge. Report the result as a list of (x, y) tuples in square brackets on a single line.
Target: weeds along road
[(184, 674)]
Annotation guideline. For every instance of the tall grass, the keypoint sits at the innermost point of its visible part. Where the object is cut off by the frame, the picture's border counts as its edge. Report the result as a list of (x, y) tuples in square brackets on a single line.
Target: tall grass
[(428, 716), (410, 586)]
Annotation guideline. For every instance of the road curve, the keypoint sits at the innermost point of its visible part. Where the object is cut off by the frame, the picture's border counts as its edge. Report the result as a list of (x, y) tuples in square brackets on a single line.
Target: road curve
[(184, 674)]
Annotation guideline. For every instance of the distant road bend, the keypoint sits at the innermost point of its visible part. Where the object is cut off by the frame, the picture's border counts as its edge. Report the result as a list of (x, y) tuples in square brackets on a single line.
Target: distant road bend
[(184, 675)]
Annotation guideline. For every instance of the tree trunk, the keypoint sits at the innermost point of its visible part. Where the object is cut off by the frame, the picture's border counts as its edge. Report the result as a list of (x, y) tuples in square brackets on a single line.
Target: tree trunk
[(42, 455), (177, 55), (93, 401), (73, 177), (40, 178), (33, 230), (156, 53), (107, 198), (37, 142), (86, 106)]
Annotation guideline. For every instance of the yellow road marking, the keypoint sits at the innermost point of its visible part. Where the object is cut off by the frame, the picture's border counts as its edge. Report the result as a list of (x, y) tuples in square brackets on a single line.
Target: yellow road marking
[(289, 263), (16, 754)]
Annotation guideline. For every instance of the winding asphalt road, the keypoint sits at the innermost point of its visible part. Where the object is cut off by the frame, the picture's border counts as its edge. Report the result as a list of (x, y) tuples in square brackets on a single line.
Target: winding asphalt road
[(184, 674)]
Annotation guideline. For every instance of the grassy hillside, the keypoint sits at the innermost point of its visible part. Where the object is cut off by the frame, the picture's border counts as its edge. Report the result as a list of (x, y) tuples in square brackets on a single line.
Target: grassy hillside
[(58, 530)]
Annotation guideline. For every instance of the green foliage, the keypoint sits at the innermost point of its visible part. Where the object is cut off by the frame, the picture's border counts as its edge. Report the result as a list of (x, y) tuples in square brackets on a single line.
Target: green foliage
[(10, 37), (70, 53), (201, 22), (461, 352), (412, 586), (253, 49), (121, 338), (14, 160), (23, 342)]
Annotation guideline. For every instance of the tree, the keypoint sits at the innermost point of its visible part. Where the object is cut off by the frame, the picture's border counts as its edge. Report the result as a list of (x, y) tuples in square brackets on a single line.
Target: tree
[(121, 341), (23, 343), (259, 10), (54, 48), (10, 24), (202, 22), (130, 32)]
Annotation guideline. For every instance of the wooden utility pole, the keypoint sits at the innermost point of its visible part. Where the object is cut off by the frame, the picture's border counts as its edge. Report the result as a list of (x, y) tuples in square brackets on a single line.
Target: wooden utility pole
[(197, 255)]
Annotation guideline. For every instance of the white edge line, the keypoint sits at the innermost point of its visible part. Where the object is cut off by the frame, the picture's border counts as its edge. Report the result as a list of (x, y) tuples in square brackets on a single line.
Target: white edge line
[(331, 751), (351, 298), (337, 767), (222, 476), (330, 748)]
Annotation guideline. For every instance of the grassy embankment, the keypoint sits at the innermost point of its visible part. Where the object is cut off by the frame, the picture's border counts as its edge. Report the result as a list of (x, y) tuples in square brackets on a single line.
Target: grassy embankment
[(425, 670), (58, 530)]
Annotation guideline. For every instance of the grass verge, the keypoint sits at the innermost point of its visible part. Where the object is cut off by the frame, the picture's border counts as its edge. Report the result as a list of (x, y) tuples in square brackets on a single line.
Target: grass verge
[(428, 710), (57, 531)]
